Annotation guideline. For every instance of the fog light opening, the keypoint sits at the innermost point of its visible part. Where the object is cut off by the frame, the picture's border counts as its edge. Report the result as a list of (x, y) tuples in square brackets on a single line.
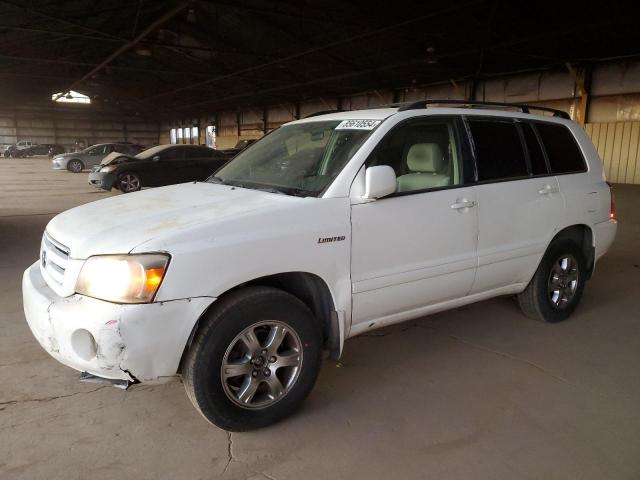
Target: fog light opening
[(83, 344)]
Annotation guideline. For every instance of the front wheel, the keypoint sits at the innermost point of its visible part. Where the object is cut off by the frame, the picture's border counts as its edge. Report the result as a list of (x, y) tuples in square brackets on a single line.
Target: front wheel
[(129, 182), (254, 360), (557, 286), (75, 166)]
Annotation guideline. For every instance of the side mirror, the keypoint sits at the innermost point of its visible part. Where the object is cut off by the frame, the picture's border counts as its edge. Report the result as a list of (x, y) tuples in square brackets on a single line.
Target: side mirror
[(156, 158), (379, 182)]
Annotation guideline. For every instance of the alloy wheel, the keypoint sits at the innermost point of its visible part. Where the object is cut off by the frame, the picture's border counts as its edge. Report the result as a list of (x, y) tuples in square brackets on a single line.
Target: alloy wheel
[(75, 166), (261, 364), (129, 183), (563, 281)]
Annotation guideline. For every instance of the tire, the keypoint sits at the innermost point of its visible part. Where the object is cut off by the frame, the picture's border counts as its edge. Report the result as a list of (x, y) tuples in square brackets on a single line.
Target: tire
[(129, 182), (550, 298), (75, 166), (220, 399)]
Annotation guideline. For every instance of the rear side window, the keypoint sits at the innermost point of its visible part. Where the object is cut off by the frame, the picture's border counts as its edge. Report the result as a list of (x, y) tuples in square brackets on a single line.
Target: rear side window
[(193, 153), (499, 152), (562, 149), (173, 154), (199, 152), (536, 157)]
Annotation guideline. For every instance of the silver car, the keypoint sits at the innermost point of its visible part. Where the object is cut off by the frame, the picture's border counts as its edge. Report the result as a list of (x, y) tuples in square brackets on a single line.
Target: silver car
[(89, 157)]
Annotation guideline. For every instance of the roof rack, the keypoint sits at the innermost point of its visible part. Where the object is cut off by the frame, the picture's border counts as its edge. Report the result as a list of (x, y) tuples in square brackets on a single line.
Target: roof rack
[(323, 112), (473, 103)]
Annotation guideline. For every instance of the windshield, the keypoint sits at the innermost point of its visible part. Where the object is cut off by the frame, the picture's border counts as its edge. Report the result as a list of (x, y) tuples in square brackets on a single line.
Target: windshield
[(150, 152), (300, 159)]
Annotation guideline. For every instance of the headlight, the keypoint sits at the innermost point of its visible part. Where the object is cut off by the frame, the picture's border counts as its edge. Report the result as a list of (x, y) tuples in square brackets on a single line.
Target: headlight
[(108, 168), (122, 278)]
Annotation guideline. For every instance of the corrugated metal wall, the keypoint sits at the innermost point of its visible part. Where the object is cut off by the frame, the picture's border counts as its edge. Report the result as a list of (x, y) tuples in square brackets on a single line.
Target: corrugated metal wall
[(618, 144), (72, 126)]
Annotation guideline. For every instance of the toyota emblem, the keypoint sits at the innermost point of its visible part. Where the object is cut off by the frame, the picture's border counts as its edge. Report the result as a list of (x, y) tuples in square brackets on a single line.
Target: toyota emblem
[(43, 258)]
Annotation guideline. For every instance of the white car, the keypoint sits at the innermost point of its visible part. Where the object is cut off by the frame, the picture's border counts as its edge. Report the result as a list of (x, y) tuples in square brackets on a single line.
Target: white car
[(326, 228)]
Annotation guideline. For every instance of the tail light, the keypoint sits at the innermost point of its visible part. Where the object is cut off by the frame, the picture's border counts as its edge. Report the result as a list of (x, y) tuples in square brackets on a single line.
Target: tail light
[(612, 210)]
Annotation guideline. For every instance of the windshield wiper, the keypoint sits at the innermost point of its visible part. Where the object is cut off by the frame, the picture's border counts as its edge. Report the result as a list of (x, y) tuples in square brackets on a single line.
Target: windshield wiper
[(297, 192), (214, 179), (268, 190)]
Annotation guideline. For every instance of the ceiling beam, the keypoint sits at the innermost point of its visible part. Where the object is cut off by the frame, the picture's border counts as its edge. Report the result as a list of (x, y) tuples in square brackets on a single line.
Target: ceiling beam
[(127, 46), (412, 62), (27, 8), (89, 64), (196, 48), (320, 48)]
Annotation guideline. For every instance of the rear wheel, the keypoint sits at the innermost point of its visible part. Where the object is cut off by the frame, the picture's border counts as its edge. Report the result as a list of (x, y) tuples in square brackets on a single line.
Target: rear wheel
[(75, 166), (558, 284), (254, 360), (129, 182)]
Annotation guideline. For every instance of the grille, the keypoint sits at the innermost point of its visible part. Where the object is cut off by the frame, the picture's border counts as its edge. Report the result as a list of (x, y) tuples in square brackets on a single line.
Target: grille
[(54, 258)]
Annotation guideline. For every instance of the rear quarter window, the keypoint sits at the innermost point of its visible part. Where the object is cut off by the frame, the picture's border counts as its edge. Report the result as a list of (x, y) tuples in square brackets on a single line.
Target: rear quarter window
[(562, 149), (536, 156)]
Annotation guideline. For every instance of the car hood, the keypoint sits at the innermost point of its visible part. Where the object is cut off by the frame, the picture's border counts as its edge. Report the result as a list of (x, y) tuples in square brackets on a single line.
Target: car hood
[(119, 224), (120, 157), (68, 155)]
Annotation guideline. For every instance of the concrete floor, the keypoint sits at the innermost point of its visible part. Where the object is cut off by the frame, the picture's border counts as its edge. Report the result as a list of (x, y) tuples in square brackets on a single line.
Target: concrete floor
[(480, 392)]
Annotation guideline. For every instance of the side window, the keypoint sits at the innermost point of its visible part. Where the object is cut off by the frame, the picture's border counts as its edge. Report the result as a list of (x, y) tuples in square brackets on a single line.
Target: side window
[(172, 154), (423, 153), (499, 152), (562, 149), (536, 157), (198, 152)]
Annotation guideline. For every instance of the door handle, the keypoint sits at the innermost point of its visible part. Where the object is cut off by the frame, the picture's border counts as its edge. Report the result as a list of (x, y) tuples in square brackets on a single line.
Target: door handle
[(547, 190), (463, 203)]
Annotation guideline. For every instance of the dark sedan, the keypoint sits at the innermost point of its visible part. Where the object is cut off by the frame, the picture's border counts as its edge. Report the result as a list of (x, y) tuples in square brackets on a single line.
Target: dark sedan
[(156, 167)]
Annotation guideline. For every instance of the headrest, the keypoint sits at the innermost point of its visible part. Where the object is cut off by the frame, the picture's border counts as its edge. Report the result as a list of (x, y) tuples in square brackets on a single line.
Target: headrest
[(425, 157)]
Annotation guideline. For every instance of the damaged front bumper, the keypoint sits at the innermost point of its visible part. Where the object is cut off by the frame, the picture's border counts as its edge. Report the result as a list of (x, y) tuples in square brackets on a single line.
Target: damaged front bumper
[(123, 342), (102, 180)]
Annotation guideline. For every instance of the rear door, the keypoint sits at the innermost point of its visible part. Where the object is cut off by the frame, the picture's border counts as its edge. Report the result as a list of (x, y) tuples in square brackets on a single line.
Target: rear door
[(169, 168), (199, 160), (519, 204), (210, 161)]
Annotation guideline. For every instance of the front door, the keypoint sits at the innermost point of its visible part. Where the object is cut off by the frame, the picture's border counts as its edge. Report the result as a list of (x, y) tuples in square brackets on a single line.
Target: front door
[(417, 247)]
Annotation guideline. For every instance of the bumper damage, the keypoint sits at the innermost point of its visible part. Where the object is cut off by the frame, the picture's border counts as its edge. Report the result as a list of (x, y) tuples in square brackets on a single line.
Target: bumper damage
[(105, 181), (132, 343)]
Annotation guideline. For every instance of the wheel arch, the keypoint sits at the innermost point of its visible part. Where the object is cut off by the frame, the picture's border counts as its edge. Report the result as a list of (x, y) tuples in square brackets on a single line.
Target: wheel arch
[(582, 235), (310, 289)]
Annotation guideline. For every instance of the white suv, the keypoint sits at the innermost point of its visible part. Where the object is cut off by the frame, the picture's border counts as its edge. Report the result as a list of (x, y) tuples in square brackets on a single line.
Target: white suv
[(328, 227)]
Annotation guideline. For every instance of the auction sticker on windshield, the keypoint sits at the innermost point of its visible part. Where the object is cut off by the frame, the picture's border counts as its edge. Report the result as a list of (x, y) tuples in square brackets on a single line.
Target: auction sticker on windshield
[(358, 124)]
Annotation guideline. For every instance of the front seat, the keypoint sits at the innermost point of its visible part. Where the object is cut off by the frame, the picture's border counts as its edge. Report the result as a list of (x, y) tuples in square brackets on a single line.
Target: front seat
[(425, 162)]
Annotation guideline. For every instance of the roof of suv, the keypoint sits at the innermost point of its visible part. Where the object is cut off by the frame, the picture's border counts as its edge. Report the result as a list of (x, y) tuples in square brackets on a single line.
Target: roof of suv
[(442, 107)]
